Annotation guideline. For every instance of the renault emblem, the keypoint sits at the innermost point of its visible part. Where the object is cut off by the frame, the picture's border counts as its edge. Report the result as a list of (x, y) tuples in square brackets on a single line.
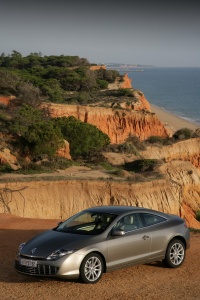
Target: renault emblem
[(33, 250)]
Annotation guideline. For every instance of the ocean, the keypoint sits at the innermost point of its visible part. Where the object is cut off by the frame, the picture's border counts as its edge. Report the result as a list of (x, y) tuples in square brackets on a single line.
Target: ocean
[(177, 90)]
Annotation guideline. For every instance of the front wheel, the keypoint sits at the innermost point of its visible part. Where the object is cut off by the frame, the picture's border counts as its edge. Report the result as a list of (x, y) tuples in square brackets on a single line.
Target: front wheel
[(175, 254), (91, 269)]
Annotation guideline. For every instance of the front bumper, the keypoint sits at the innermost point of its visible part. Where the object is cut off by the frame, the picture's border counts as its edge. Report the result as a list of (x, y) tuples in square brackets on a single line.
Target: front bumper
[(39, 270), (65, 267)]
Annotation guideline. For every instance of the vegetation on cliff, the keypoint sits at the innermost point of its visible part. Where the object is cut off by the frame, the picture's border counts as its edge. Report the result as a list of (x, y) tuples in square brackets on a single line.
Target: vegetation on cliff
[(53, 76), (35, 135)]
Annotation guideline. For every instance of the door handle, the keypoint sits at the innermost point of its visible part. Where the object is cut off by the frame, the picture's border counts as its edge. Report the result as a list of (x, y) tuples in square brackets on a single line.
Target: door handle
[(145, 237)]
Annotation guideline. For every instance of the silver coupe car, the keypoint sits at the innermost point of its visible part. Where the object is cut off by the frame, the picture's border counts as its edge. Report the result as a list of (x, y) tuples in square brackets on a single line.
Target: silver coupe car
[(102, 239)]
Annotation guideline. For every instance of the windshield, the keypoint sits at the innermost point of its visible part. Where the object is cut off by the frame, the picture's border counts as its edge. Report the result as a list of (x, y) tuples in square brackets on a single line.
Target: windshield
[(88, 223)]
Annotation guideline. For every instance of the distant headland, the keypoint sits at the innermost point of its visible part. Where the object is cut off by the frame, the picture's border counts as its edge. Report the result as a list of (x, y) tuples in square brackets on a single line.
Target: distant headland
[(127, 67)]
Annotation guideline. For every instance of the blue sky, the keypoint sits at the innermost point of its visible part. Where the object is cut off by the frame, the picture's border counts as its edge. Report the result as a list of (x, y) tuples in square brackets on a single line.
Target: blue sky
[(130, 32)]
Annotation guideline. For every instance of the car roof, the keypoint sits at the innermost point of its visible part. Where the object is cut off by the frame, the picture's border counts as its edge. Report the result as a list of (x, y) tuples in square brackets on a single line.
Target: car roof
[(120, 210), (116, 209)]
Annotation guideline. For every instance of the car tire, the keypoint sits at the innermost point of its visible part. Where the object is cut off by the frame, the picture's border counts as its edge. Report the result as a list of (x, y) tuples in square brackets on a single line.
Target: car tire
[(175, 254), (91, 269)]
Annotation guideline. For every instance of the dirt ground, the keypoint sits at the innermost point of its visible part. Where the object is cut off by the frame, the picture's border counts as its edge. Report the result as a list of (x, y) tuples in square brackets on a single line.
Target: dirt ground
[(151, 281)]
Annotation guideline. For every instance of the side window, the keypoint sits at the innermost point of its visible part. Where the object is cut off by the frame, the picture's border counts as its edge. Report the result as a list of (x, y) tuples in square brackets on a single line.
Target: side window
[(128, 223), (151, 219)]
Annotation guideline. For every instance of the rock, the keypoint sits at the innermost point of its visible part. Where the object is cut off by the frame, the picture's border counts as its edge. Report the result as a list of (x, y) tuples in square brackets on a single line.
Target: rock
[(96, 68), (64, 151), (7, 158), (122, 82), (5, 100)]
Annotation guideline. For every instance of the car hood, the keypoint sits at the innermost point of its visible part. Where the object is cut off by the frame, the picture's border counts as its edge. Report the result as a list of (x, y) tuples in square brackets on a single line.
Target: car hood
[(44, 244)]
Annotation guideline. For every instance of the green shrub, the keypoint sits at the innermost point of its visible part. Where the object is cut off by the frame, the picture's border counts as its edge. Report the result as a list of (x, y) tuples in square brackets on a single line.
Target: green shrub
[(182, 134), (52, 89), (119, 172), (82, 97), (46, 166), (123, 148), (134, 140), (125, 92), (142, 165), (103, 84), (84, 139), (39, 135), (128, 148), (155, 139), (106, 166), (6, 168), (198, 215)]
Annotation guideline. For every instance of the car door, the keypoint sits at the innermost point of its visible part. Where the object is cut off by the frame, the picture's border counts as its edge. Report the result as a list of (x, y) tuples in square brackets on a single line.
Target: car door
[(131, 248), (159, 234)]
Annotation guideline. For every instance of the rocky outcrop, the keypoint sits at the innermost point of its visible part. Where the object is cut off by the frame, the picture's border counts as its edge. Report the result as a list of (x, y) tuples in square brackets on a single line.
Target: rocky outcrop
[(142, 103), (186, 178), (64, 151), (138, 102), (5, 100), (122, 82), (177, 193), (6, 158), (117, 124), (188, 150), (96, 68)]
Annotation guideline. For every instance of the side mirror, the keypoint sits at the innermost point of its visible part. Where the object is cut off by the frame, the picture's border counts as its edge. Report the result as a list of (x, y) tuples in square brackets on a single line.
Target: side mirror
[(118, 232)]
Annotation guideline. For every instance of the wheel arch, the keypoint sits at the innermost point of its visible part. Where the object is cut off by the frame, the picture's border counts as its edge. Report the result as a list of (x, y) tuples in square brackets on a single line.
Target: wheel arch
[(177, 237), (103, 259)]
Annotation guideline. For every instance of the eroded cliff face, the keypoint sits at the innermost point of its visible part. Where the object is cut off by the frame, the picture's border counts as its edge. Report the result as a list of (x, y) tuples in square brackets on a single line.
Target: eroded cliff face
[(140, 104), (186, 178), (133, 119), (178, 193), (188, 150), (117, 124), (64, 151), (123, 82)]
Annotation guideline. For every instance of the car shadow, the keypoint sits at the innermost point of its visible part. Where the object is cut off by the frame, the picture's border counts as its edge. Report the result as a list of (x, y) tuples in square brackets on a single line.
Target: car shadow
[(156, 264)]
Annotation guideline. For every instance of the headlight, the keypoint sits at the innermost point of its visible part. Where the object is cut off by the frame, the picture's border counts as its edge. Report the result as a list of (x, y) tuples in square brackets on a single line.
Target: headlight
[(59, 253), (21, 246)]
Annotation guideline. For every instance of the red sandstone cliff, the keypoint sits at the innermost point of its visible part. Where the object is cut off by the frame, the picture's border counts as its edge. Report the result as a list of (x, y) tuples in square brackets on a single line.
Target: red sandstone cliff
[(117, 124), (123, 82), (133, 119)]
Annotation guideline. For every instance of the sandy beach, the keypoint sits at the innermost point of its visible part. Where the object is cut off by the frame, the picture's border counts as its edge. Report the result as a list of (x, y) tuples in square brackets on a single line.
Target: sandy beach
[(171, 121)]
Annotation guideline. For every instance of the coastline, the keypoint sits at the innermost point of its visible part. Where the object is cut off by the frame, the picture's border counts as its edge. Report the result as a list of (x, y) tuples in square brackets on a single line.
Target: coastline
[(171, 121)]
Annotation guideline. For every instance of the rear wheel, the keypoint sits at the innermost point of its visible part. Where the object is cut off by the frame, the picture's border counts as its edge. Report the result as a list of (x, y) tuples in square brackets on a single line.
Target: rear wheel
[(91, 268), (175, 254)]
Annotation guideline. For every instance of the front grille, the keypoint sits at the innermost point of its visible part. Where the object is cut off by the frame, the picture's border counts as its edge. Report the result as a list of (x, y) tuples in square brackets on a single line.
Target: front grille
[(39, 270), (31, 257)]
